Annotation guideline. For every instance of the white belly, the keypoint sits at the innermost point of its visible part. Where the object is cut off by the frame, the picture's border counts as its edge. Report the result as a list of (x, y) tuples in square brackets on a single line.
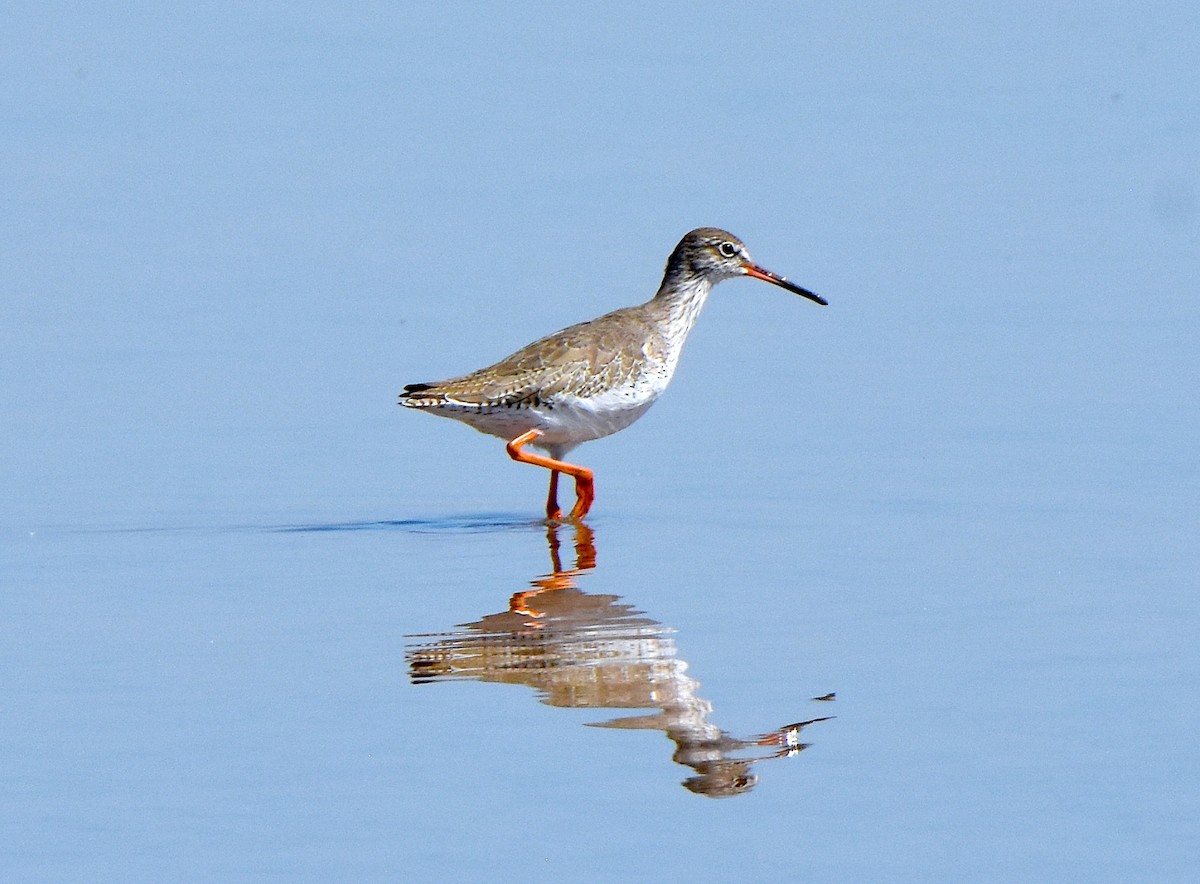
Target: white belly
[(573, 420), (565, 422)]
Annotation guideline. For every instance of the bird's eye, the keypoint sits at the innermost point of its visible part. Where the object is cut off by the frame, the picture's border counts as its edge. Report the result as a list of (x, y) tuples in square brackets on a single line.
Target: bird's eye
[(727, 249)]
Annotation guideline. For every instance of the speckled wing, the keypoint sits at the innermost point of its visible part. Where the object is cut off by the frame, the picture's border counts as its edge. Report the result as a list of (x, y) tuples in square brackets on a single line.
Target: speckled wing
[(582, 360)]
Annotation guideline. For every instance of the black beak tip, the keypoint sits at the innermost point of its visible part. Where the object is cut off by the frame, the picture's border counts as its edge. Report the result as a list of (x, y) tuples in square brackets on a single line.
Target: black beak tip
[(805, 293)]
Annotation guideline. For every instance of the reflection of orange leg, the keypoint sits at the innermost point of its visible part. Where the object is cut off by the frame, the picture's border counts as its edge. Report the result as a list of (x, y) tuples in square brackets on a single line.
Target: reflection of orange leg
[(584, 489), (520, 604)]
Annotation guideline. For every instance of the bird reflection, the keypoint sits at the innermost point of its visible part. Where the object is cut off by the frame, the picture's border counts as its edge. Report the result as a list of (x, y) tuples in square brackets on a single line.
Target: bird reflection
[(583, 651)]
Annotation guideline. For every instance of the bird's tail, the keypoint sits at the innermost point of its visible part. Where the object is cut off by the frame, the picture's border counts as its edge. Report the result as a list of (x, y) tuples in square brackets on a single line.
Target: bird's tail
[(420, 395)]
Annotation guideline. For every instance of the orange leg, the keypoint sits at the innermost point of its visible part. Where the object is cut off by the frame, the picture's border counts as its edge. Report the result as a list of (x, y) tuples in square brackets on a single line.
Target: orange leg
[(552, 510), (584, 489)]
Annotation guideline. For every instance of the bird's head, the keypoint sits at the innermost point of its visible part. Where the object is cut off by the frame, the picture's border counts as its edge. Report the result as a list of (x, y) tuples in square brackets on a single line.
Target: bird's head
[(713, 254)]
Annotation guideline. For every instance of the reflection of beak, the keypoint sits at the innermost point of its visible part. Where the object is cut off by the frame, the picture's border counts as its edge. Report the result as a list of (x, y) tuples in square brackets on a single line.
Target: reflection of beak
[(767, 276)]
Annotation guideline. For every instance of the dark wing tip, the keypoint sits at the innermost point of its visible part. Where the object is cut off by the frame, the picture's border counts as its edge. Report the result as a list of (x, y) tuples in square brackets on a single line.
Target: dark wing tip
[(418, 395)]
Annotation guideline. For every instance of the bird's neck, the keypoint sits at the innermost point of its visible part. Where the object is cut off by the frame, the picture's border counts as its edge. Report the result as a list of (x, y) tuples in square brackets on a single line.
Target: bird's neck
[(678, 303)]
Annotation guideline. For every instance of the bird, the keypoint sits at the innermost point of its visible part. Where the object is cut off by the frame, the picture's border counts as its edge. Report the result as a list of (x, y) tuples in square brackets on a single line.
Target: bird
[(594, 378)]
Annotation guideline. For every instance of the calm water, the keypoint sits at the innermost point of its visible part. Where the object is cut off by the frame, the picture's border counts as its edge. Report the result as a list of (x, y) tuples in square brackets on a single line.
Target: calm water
[(900, 589)]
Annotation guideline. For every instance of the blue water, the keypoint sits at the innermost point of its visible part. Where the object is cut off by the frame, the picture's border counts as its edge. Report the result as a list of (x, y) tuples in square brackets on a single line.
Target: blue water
[(258, 623)]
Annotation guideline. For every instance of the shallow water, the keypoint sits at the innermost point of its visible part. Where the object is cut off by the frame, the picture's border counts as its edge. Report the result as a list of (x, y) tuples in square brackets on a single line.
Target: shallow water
[(909, 581)]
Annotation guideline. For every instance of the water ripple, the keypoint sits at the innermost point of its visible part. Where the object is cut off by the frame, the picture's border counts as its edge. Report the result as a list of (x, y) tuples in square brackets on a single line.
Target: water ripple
[(466, 524)]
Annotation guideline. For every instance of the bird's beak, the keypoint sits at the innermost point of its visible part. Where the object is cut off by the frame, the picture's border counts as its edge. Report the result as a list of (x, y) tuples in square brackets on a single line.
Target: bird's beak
[(767, 276)]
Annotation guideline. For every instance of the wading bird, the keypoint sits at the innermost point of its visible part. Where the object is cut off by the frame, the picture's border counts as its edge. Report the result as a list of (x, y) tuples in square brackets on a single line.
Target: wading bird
[(595, 378)]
